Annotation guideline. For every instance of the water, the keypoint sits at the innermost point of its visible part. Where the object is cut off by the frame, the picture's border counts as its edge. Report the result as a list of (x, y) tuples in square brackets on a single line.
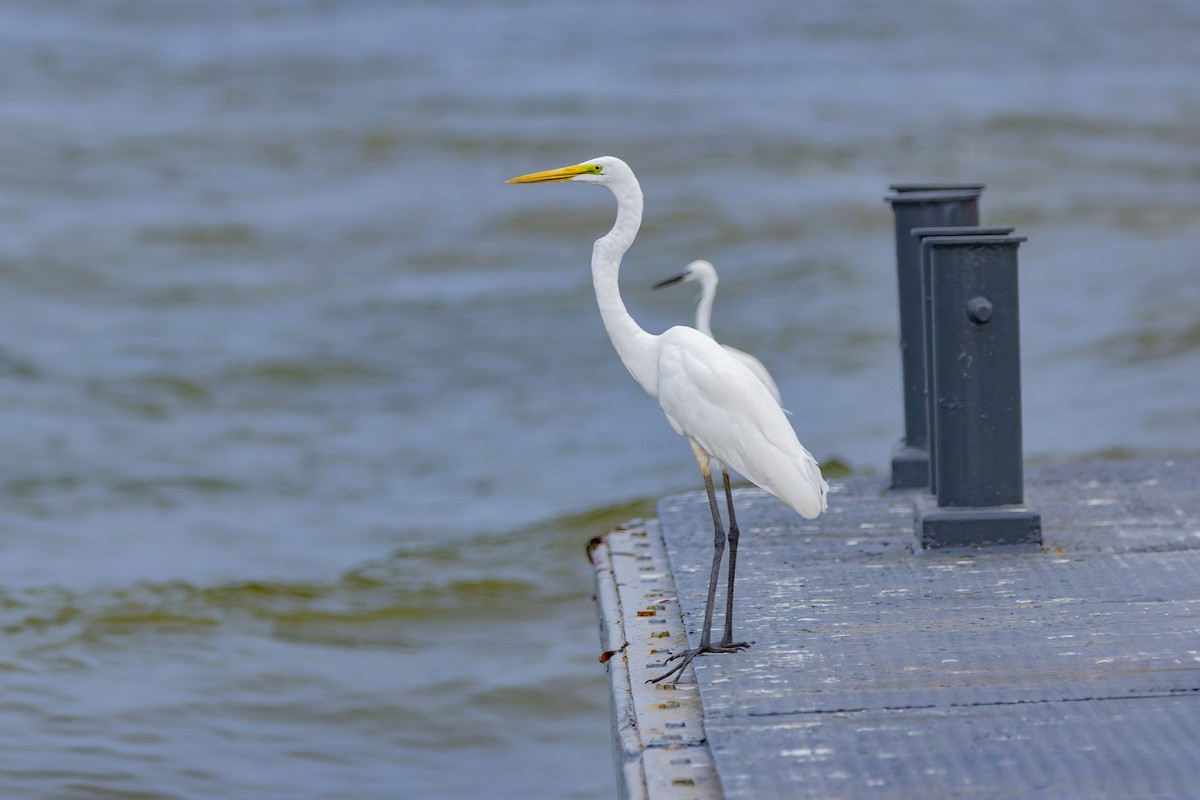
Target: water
[(307, 415)]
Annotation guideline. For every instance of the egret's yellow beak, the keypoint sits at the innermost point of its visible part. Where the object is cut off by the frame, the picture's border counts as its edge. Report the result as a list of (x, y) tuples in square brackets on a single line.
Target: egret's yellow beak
[(557, 175)]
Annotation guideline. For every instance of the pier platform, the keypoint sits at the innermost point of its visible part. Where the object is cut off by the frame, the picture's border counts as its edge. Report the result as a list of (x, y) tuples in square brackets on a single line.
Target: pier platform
[(878, 670)]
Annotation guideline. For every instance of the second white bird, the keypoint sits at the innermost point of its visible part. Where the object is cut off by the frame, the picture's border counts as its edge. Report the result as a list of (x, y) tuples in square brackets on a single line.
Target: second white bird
[(704, 273)]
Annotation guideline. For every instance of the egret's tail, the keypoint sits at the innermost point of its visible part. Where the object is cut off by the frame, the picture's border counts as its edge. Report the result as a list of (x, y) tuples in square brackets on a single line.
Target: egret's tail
[(809, 493)]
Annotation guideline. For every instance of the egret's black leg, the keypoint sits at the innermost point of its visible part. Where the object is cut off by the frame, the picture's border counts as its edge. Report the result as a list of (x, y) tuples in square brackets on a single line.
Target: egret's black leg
[(727, 639), (706, 645)]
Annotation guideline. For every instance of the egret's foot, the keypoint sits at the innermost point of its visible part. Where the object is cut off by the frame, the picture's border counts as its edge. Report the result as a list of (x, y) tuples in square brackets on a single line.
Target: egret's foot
[(687, 656)]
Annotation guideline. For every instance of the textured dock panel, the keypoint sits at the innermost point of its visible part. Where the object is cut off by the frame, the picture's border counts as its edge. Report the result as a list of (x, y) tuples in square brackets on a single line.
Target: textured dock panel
[(878, 670), (1059, 750)]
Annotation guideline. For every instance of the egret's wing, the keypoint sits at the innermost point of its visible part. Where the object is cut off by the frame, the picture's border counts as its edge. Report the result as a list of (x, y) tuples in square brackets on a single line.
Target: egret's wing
[(760, 372), (716, 400)]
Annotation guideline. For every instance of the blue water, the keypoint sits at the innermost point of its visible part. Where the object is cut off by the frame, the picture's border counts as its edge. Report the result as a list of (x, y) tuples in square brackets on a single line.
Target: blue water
[(307, 415)]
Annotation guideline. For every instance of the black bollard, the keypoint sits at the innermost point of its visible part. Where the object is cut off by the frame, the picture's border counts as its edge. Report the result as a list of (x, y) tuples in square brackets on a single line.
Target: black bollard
[(935, 186), (918, 205), (976, 370), (927, 316)]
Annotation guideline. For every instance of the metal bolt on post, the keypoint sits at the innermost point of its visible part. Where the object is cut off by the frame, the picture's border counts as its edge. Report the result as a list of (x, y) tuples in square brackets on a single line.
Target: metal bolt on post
[(919, 205), (976, 371), (920, 234)]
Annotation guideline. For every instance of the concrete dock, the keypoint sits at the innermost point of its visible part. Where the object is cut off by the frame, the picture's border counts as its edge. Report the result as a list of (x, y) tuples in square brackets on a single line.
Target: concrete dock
[(880, 670)]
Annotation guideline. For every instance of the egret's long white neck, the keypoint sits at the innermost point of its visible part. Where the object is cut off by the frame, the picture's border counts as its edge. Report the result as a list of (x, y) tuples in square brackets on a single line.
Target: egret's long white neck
[(708, 290), (635, 346)]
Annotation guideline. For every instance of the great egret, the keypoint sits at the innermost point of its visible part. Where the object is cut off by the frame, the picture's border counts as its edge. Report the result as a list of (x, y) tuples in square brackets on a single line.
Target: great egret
[(704, 273), (709, 396)]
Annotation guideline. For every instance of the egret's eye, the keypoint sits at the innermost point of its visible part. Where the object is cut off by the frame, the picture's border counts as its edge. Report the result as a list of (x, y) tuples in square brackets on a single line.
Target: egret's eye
[(596, 168)]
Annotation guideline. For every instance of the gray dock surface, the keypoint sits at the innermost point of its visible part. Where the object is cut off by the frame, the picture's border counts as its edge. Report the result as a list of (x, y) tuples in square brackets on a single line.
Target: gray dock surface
[(1070, 670)]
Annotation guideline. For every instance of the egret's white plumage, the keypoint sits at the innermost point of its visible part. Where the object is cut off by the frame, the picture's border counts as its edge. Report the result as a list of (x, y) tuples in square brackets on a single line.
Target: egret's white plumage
[(704, 273), (708, 395)]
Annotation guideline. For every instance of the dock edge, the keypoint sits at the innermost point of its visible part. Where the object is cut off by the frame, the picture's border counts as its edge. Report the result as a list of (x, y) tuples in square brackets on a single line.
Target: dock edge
[(659, 747)]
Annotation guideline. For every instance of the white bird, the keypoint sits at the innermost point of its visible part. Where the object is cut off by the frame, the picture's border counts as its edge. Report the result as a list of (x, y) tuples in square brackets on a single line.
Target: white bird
[(708, 395), (704, 273)]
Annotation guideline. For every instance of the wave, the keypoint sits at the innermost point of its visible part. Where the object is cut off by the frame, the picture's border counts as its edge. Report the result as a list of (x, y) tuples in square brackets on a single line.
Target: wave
[(429, 583)]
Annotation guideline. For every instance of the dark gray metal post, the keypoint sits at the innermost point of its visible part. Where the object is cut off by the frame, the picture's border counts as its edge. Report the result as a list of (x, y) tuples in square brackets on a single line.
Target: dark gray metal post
[(917, 208), (935, 186), (976, 370), (927, 317)]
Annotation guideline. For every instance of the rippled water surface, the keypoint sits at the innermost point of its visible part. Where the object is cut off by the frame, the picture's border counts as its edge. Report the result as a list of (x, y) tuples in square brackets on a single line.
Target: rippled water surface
[(307, 415)]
